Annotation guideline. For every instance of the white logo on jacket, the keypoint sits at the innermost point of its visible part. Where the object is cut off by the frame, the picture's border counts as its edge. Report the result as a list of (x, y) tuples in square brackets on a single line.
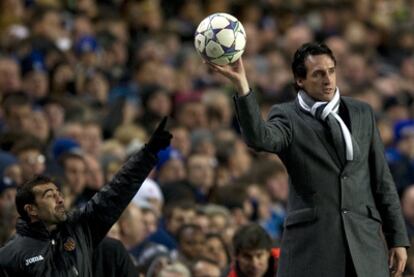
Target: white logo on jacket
[(34, 259)]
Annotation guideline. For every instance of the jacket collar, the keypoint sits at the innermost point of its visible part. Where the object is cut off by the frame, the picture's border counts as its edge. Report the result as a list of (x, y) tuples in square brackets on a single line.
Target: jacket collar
[(35, 230)]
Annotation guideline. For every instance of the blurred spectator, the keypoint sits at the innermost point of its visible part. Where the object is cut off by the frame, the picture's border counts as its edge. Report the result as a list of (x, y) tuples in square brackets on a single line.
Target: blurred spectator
[(153, 259), (407, 205), (10, 78), (150, 219), (181, 140), (175, 269), (74, 178), (151, 195), (217, 250), (192, 114), (202, 141), (111, 259), (253, 253), (219, 110), (176, 214), (132, 230), (31, 158), (402, 159), (35, 76), (205, 268), (191, 243), (7, 192), (219, 218), (18, 113), (94, 173), (200, 174), (91, 138), (9, 167), (170, 167)]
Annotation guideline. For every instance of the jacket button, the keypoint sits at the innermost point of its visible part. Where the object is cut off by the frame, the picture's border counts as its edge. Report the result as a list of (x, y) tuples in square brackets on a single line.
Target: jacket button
[(345, 211), (344, 177)]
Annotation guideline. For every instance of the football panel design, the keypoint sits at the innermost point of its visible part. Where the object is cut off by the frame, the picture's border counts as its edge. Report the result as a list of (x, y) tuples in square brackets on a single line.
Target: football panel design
[(200, 42), (223, 60), (240, 41), (225, 37), (213, 49), (219, 22), (236, 56)]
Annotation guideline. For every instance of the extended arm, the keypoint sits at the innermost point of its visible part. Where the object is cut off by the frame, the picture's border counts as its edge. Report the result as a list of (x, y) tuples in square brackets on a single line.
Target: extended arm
[(106, 206)]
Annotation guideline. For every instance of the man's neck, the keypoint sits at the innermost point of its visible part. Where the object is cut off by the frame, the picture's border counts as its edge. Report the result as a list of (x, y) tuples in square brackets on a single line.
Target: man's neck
[(49, 227)]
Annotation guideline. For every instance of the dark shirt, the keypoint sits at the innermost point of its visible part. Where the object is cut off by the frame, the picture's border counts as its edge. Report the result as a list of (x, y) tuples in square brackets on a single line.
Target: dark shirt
[(111, 259)]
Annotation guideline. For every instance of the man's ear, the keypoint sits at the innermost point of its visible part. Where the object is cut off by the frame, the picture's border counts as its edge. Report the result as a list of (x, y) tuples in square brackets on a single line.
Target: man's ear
[(31, 210), (299, 82)]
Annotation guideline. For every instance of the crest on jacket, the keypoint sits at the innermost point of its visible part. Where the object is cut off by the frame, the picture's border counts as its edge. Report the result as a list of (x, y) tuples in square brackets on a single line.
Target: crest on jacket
[(69, 245)]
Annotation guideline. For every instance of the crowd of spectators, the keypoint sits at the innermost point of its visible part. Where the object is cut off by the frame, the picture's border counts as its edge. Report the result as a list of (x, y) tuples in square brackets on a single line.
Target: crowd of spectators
[(83, 83)]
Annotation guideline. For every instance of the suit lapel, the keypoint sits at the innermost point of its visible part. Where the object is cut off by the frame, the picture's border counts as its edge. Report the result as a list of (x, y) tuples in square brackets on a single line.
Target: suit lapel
[(321, 132)]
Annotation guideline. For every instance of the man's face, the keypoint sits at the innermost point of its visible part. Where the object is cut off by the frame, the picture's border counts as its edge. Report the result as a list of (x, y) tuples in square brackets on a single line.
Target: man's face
[(32, 163), (75, 174), (192, 243), (178, 218), (49, 204), (253, 263), (320, 81), (206, 269), (150, 222), (133, 228), (10, 79), (201, 171), (20, 118)]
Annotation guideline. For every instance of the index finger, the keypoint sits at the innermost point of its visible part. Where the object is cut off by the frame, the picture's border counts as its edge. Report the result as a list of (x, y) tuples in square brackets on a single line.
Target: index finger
[(161, 125)]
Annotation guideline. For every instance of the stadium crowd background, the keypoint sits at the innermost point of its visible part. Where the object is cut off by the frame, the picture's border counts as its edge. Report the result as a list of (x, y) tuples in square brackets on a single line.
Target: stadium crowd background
[(83, 82)]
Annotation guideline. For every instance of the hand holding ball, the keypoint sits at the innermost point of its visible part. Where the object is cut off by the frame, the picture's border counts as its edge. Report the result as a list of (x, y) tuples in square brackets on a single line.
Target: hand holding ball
[(220, 39)]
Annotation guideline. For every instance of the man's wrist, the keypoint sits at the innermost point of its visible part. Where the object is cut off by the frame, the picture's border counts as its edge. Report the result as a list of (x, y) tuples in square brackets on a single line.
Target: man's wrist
[(243, 88)]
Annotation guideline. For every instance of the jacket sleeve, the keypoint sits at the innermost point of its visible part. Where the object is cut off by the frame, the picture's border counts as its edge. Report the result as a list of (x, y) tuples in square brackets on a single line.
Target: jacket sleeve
[(385, 193), (106, 206), (273, 135)]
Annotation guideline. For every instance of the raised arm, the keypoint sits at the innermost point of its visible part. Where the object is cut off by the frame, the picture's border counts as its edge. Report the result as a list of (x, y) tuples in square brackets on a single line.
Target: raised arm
[(106, 206), (272, 135)]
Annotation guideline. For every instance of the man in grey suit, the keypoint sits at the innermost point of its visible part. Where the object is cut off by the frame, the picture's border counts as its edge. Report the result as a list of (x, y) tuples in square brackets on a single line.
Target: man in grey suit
[(344, 216)]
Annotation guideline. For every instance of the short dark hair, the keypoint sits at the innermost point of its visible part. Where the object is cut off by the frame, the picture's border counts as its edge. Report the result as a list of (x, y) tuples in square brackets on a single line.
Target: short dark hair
[(25, 194), (308, 49), (182, 205), (26, 144), (15, 99), (251, 237), (63, 158)]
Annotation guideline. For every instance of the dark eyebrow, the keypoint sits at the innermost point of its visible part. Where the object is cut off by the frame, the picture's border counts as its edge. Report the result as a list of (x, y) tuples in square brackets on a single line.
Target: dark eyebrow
[(321, 70)]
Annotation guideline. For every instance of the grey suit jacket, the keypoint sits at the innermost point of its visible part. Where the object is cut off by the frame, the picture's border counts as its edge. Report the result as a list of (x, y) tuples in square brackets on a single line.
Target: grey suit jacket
[(331, 206)]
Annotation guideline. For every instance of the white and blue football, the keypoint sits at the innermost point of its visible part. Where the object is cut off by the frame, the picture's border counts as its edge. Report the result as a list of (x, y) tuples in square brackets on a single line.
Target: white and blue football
[(220, 39)]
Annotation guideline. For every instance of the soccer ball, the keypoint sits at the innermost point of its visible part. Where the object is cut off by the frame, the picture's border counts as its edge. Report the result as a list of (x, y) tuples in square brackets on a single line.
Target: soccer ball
[(220, 39)]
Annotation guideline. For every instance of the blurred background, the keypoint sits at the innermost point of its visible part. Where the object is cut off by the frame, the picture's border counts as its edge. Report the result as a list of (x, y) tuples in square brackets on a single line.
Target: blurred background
[(83, 83)]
